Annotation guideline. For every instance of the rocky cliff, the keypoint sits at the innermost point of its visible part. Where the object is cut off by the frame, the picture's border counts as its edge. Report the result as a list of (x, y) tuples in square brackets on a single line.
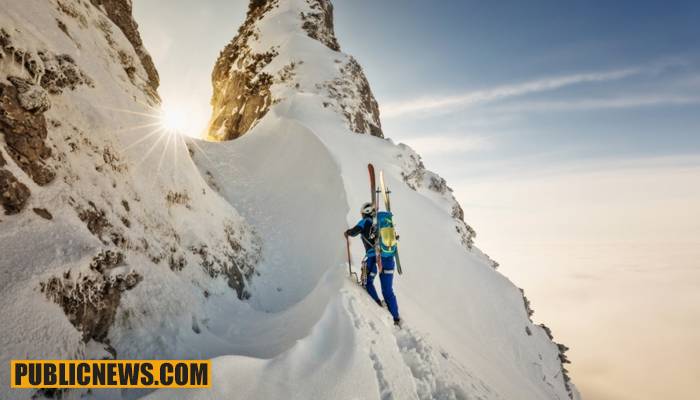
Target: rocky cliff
[(103, 211), (247, 80), (119, 12)]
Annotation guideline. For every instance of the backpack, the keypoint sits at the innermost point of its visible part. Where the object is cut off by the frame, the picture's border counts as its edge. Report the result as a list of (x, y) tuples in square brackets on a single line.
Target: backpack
[(387, 233)]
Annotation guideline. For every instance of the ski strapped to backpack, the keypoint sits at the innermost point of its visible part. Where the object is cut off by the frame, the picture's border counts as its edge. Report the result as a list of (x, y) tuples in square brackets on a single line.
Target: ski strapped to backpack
[(374, 194), (387, 239)]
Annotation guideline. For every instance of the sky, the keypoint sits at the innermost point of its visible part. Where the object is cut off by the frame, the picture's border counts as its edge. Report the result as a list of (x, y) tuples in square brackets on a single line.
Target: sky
[(570, 133)]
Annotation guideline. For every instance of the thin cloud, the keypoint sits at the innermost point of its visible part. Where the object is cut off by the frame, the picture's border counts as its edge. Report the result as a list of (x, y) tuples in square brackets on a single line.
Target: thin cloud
[(597, 103), (503, 92), (444, 144)]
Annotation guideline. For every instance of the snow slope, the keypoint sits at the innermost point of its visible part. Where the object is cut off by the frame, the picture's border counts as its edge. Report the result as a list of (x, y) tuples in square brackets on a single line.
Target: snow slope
[(465, 335), (298, 176)]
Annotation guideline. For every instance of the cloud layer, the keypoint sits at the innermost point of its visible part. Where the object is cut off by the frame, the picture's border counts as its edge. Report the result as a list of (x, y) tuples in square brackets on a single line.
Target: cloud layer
[(502, 92)]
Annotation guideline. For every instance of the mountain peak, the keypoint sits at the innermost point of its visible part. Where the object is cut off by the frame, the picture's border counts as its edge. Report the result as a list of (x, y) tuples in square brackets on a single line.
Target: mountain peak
[(275, 55)]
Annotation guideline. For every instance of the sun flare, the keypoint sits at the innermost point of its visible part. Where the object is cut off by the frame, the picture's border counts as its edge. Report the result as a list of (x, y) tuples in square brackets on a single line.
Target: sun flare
[(173, 120)]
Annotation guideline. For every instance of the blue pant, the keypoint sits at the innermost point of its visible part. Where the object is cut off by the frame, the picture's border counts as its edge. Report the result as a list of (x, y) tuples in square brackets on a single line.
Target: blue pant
[(386, 279)]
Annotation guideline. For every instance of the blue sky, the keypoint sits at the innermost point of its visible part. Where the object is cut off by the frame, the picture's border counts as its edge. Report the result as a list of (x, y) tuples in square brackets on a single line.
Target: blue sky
[(570, 133), (630, 72)]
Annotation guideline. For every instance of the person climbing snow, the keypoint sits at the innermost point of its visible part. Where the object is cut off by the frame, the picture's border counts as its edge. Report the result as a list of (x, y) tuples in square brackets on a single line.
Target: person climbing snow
[(366, 229)]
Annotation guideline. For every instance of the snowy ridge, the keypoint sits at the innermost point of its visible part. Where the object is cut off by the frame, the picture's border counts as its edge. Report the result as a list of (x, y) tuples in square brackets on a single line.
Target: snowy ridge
[(468, 333), (466, 336)]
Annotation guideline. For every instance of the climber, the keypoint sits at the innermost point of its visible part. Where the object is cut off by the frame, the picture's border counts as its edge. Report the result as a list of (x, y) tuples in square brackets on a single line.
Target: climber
[(366, 229)]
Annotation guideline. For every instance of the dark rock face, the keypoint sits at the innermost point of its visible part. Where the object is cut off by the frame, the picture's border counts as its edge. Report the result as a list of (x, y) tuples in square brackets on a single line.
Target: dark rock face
[(242, 91), (319, 23), (90, 300), (25, 136), (60, 72), (119, 11), (416, 176), (237, 265), (13, 193), (43, 213), (95, 219), (563, 358), (22, 105), (54, 72), (354, 99), (31, 97)]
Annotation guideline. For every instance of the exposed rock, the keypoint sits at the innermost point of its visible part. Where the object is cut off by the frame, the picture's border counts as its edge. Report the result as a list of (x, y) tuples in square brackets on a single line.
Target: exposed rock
[(562, 358), (5, 41), (128, 65), (416, 176), (95, 219), (72, 11), (494, 263), (13, 193), (241, 91), (318, 24), (25, 135), (526, 302), (43, 213), (181, 198), (62, 26), (112, 160), (119, 12), (60, 72), (31, 97), (106, 260), (54, 72), (354, 99), (238, 264), (177, 262), (90, 300)]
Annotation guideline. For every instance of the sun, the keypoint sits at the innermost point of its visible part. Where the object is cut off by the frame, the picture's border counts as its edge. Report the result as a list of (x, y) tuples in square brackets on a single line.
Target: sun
[(173, 119), (179, 116)]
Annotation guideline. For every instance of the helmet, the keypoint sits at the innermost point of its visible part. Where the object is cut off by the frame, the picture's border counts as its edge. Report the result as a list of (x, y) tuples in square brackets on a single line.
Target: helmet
[(367, 209)]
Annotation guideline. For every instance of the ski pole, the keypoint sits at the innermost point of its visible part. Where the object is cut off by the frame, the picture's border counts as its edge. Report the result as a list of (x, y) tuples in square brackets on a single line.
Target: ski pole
[(347, 246)]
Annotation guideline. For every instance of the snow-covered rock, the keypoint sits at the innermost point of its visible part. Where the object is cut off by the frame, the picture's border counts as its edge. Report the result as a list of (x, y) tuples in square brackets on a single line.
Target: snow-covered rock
[(250, 76), (109, 232)]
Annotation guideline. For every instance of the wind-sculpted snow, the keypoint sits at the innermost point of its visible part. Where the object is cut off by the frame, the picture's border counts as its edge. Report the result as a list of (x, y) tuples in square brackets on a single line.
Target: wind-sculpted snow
[(466, 333), (299, 175)]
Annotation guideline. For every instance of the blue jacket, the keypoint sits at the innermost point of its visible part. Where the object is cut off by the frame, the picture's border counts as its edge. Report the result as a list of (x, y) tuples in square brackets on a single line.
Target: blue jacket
[(365, 229)]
